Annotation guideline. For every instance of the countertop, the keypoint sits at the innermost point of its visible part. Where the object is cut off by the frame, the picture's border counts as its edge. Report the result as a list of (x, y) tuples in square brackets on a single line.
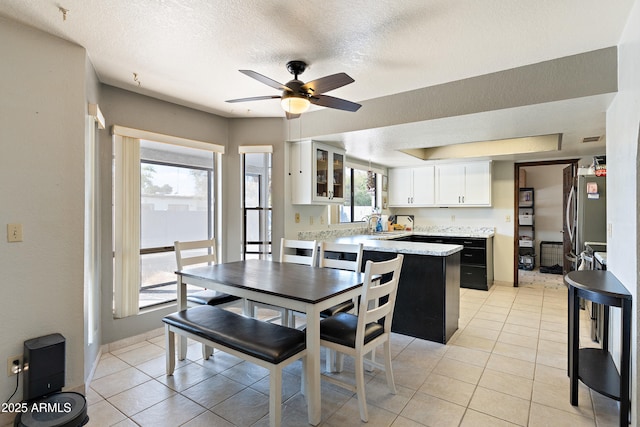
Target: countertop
[(383, 242)]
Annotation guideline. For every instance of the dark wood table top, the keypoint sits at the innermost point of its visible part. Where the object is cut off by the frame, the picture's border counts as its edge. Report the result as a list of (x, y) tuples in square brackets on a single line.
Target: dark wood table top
[(599, 286), (294, 281)]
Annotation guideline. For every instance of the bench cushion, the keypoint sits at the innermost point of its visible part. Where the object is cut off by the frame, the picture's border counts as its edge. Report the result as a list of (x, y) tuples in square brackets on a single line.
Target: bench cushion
[(267, 341), (341, 329)]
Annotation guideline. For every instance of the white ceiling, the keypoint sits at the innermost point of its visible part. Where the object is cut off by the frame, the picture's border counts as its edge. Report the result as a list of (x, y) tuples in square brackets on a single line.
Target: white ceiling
[(189, 52)]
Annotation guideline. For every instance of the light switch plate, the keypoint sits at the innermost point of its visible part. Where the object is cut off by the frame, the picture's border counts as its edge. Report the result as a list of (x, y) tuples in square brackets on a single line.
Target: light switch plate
[(14, 232)]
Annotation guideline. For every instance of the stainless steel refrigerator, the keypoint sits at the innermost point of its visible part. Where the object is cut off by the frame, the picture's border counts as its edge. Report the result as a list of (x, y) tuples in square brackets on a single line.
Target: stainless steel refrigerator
[(587, 212)]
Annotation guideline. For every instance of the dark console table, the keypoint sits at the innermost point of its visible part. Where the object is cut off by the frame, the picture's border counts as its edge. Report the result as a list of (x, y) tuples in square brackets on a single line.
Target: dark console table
[(595, 366)]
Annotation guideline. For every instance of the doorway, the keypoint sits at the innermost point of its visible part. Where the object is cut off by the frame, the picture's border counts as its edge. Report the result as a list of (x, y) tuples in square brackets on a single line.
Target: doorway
[(551, 204)]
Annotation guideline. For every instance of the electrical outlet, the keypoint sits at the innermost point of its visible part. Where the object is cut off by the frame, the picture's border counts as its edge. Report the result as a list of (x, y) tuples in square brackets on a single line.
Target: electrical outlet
[(310, 219), (13, 369), (297, 217), (507, 218)]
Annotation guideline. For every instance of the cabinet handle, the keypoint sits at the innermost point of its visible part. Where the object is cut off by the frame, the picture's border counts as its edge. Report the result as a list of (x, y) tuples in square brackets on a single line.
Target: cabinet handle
[(408, 200), (458, 199), (462, 199), (468, 255)]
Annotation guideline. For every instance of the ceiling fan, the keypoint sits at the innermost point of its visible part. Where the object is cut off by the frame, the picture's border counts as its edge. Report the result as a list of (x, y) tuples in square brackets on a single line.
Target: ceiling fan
[(297, 95)]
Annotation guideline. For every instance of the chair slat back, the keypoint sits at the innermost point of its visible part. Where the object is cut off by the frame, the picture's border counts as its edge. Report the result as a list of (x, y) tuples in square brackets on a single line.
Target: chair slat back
[(327, 258), (289, 251), (374, 290), (195, 252)]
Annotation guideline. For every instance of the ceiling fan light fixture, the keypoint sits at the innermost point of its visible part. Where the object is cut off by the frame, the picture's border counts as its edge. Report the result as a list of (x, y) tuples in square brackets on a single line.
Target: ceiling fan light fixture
[(294, 104)]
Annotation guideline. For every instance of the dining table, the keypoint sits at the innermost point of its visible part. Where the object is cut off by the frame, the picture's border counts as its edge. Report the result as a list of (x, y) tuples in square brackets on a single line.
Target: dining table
[(296, 287)]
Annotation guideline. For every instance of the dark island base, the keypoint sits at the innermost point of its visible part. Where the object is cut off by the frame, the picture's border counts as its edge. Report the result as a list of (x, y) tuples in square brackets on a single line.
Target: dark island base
[(428, 300)]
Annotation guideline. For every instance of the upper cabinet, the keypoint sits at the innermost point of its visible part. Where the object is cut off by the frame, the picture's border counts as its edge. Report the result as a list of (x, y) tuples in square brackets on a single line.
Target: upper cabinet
[(463, 184), (317, 173), (412, 187)]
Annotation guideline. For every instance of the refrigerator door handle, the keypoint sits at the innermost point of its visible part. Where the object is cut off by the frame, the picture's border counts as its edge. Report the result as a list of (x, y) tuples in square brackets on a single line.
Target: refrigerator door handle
[(570, 224)]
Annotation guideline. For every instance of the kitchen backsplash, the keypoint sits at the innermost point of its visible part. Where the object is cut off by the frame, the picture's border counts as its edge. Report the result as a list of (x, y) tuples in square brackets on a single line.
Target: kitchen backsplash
[(322, 235)]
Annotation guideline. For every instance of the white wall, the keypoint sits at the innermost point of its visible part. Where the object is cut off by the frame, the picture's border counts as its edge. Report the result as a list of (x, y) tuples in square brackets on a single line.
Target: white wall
[(623, 123), (42, 122)]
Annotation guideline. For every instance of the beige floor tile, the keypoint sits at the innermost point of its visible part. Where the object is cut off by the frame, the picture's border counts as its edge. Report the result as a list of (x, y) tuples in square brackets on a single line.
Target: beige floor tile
[(500, 405), (550, 376), (109, 365), (509, 365), (406, 422), (432, 411), (208, 419), (140, 397), (473, 342), (449, 389), (485, 324), (558, 398), (118, 382), (141, 354), (544, 416), (349, 415), (519, 340), (528, 331), (378, 394), (243, 408), (480, 332), (505, 383), (212, 391), (185, 377), (467, 355), (104, 414), (553, 359), (459, 370), (515, 351), (478, 419), (171, 412)]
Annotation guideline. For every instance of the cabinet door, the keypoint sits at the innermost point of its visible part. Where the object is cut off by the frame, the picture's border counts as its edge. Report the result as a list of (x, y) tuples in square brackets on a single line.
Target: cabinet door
[(424, 186), (477, 184), (337, 172), (400, 187), (321, 172), (449, 184)]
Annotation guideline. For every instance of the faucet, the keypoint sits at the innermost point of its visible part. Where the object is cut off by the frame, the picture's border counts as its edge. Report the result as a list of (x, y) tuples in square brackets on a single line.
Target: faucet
[(371, 228)]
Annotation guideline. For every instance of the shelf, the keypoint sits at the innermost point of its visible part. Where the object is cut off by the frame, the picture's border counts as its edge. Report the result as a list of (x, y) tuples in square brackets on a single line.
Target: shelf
[(598, 371)]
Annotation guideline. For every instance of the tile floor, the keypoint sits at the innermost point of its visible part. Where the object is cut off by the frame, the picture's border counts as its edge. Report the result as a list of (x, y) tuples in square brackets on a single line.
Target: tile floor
[(505, 366)]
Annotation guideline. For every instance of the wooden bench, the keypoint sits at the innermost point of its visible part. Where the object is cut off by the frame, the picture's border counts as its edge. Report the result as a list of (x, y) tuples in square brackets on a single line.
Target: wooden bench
[(265, 344)]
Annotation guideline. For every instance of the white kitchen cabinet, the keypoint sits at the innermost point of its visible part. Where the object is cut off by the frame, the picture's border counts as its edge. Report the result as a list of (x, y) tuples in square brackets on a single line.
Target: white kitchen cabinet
[(317, 173), (412, 186), (463, 184)]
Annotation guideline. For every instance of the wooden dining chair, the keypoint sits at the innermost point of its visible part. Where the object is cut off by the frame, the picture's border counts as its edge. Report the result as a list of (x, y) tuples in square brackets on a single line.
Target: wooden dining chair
[(201, 252), (341, 256), (297, 252), (357, 335)]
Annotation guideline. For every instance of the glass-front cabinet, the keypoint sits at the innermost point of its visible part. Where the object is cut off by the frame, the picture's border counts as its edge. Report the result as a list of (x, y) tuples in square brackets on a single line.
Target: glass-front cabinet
[(317, 173)]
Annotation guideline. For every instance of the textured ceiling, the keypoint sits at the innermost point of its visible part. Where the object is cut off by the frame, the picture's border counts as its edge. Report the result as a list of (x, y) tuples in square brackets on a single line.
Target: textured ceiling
[(190, 51)]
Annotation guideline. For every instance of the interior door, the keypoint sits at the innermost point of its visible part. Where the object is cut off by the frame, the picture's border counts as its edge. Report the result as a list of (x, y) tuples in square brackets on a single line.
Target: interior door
[(568, 175)]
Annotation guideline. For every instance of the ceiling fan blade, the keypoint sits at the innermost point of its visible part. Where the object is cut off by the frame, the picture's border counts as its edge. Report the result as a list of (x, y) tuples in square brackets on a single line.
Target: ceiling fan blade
[(254, 98), (327, 83), (331, 102), (264, 79), (291, 116)]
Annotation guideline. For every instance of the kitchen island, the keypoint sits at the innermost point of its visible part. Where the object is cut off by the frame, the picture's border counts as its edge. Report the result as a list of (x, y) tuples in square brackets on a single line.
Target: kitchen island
[(428, 299)]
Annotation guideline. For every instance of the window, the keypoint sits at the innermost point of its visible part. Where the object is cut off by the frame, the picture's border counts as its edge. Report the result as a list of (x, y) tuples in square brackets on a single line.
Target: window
[(163, 191), (360, 194), (257, 205), (176, 203)]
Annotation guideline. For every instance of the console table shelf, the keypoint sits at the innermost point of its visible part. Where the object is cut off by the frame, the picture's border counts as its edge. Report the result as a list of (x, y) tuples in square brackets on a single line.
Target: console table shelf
[(594, 366)]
